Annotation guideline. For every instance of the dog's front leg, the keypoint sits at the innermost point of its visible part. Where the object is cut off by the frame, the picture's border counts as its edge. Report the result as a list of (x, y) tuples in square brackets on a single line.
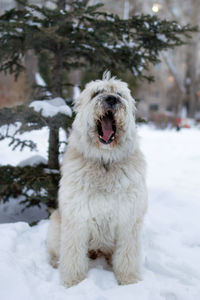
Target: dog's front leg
[(73, 265), (126, 257)]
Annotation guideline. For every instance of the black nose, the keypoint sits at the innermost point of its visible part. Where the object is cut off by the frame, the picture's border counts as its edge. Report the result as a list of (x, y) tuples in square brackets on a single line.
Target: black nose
[(111, 100)]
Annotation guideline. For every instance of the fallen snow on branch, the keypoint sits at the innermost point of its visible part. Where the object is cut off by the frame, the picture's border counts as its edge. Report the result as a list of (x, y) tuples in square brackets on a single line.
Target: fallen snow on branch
[(33, 161), (162, 37), (50, 108)]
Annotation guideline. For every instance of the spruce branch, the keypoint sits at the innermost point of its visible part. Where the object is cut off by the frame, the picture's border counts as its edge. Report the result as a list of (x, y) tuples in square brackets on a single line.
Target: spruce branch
[(16, 142)]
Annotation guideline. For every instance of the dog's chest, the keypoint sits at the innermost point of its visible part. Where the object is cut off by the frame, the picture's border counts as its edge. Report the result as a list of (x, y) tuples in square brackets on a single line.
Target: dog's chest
[(102, 221), (107, 192), (102, 225), (103, 196), (105, 179)]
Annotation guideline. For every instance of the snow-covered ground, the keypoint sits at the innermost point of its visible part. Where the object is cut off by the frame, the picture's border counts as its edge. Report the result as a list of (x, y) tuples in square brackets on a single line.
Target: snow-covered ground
[(171, 238)]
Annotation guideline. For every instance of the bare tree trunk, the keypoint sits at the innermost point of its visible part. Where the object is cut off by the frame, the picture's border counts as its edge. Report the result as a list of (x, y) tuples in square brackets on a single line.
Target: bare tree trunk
[(53, 159), (57, 74), (192, 58), (192, 62), (178, 103), (61, 4), (191, 82), (53, 162), (53, 151), (19, 6)]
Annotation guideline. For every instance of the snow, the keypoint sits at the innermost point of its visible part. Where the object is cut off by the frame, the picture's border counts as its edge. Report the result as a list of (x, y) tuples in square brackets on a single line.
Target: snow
[(110, 18), (106, 45), (33, 161), (76, 92), (39, 80), (135, 72), (62, 12), (40, 137), (171, 237), (162, 37), (90, 29), (88, 47), (50, 108), (140, 68), (11, 211)]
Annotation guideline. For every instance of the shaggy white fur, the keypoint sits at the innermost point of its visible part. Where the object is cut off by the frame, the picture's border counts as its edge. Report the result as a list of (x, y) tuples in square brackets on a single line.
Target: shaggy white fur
[(102, 194)]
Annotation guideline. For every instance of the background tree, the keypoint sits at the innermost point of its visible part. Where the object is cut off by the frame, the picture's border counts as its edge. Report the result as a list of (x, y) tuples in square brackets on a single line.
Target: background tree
[(74, 37), (182, 63)]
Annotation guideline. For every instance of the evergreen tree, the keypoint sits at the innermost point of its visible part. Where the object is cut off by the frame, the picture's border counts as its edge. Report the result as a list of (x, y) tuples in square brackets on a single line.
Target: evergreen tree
[(71, 37)]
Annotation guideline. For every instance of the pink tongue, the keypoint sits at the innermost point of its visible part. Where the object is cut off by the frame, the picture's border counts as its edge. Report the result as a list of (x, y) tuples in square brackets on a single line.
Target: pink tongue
[(106, 125)]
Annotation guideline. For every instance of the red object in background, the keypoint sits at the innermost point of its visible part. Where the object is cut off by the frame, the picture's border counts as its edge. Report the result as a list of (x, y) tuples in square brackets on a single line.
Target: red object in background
[(182, 123), (178, 122)]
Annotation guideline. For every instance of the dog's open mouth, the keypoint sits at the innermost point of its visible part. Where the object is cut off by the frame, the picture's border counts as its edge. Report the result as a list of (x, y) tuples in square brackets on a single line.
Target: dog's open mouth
[(106, 128)]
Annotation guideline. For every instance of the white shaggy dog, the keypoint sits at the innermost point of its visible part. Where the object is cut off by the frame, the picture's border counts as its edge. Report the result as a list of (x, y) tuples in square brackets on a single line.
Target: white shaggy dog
[(102, 195)]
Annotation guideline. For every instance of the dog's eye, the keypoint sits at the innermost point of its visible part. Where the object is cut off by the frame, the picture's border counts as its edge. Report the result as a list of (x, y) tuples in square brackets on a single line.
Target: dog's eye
[(119, 94), (96, 93)]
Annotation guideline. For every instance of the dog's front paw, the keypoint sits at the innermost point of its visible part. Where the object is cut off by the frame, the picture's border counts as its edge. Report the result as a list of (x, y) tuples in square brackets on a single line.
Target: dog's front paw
[(53, 261), (69, 281), (125, 279)]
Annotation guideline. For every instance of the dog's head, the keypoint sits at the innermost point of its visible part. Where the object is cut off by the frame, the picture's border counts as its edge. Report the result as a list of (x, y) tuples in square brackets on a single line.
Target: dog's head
[(105, 122)]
